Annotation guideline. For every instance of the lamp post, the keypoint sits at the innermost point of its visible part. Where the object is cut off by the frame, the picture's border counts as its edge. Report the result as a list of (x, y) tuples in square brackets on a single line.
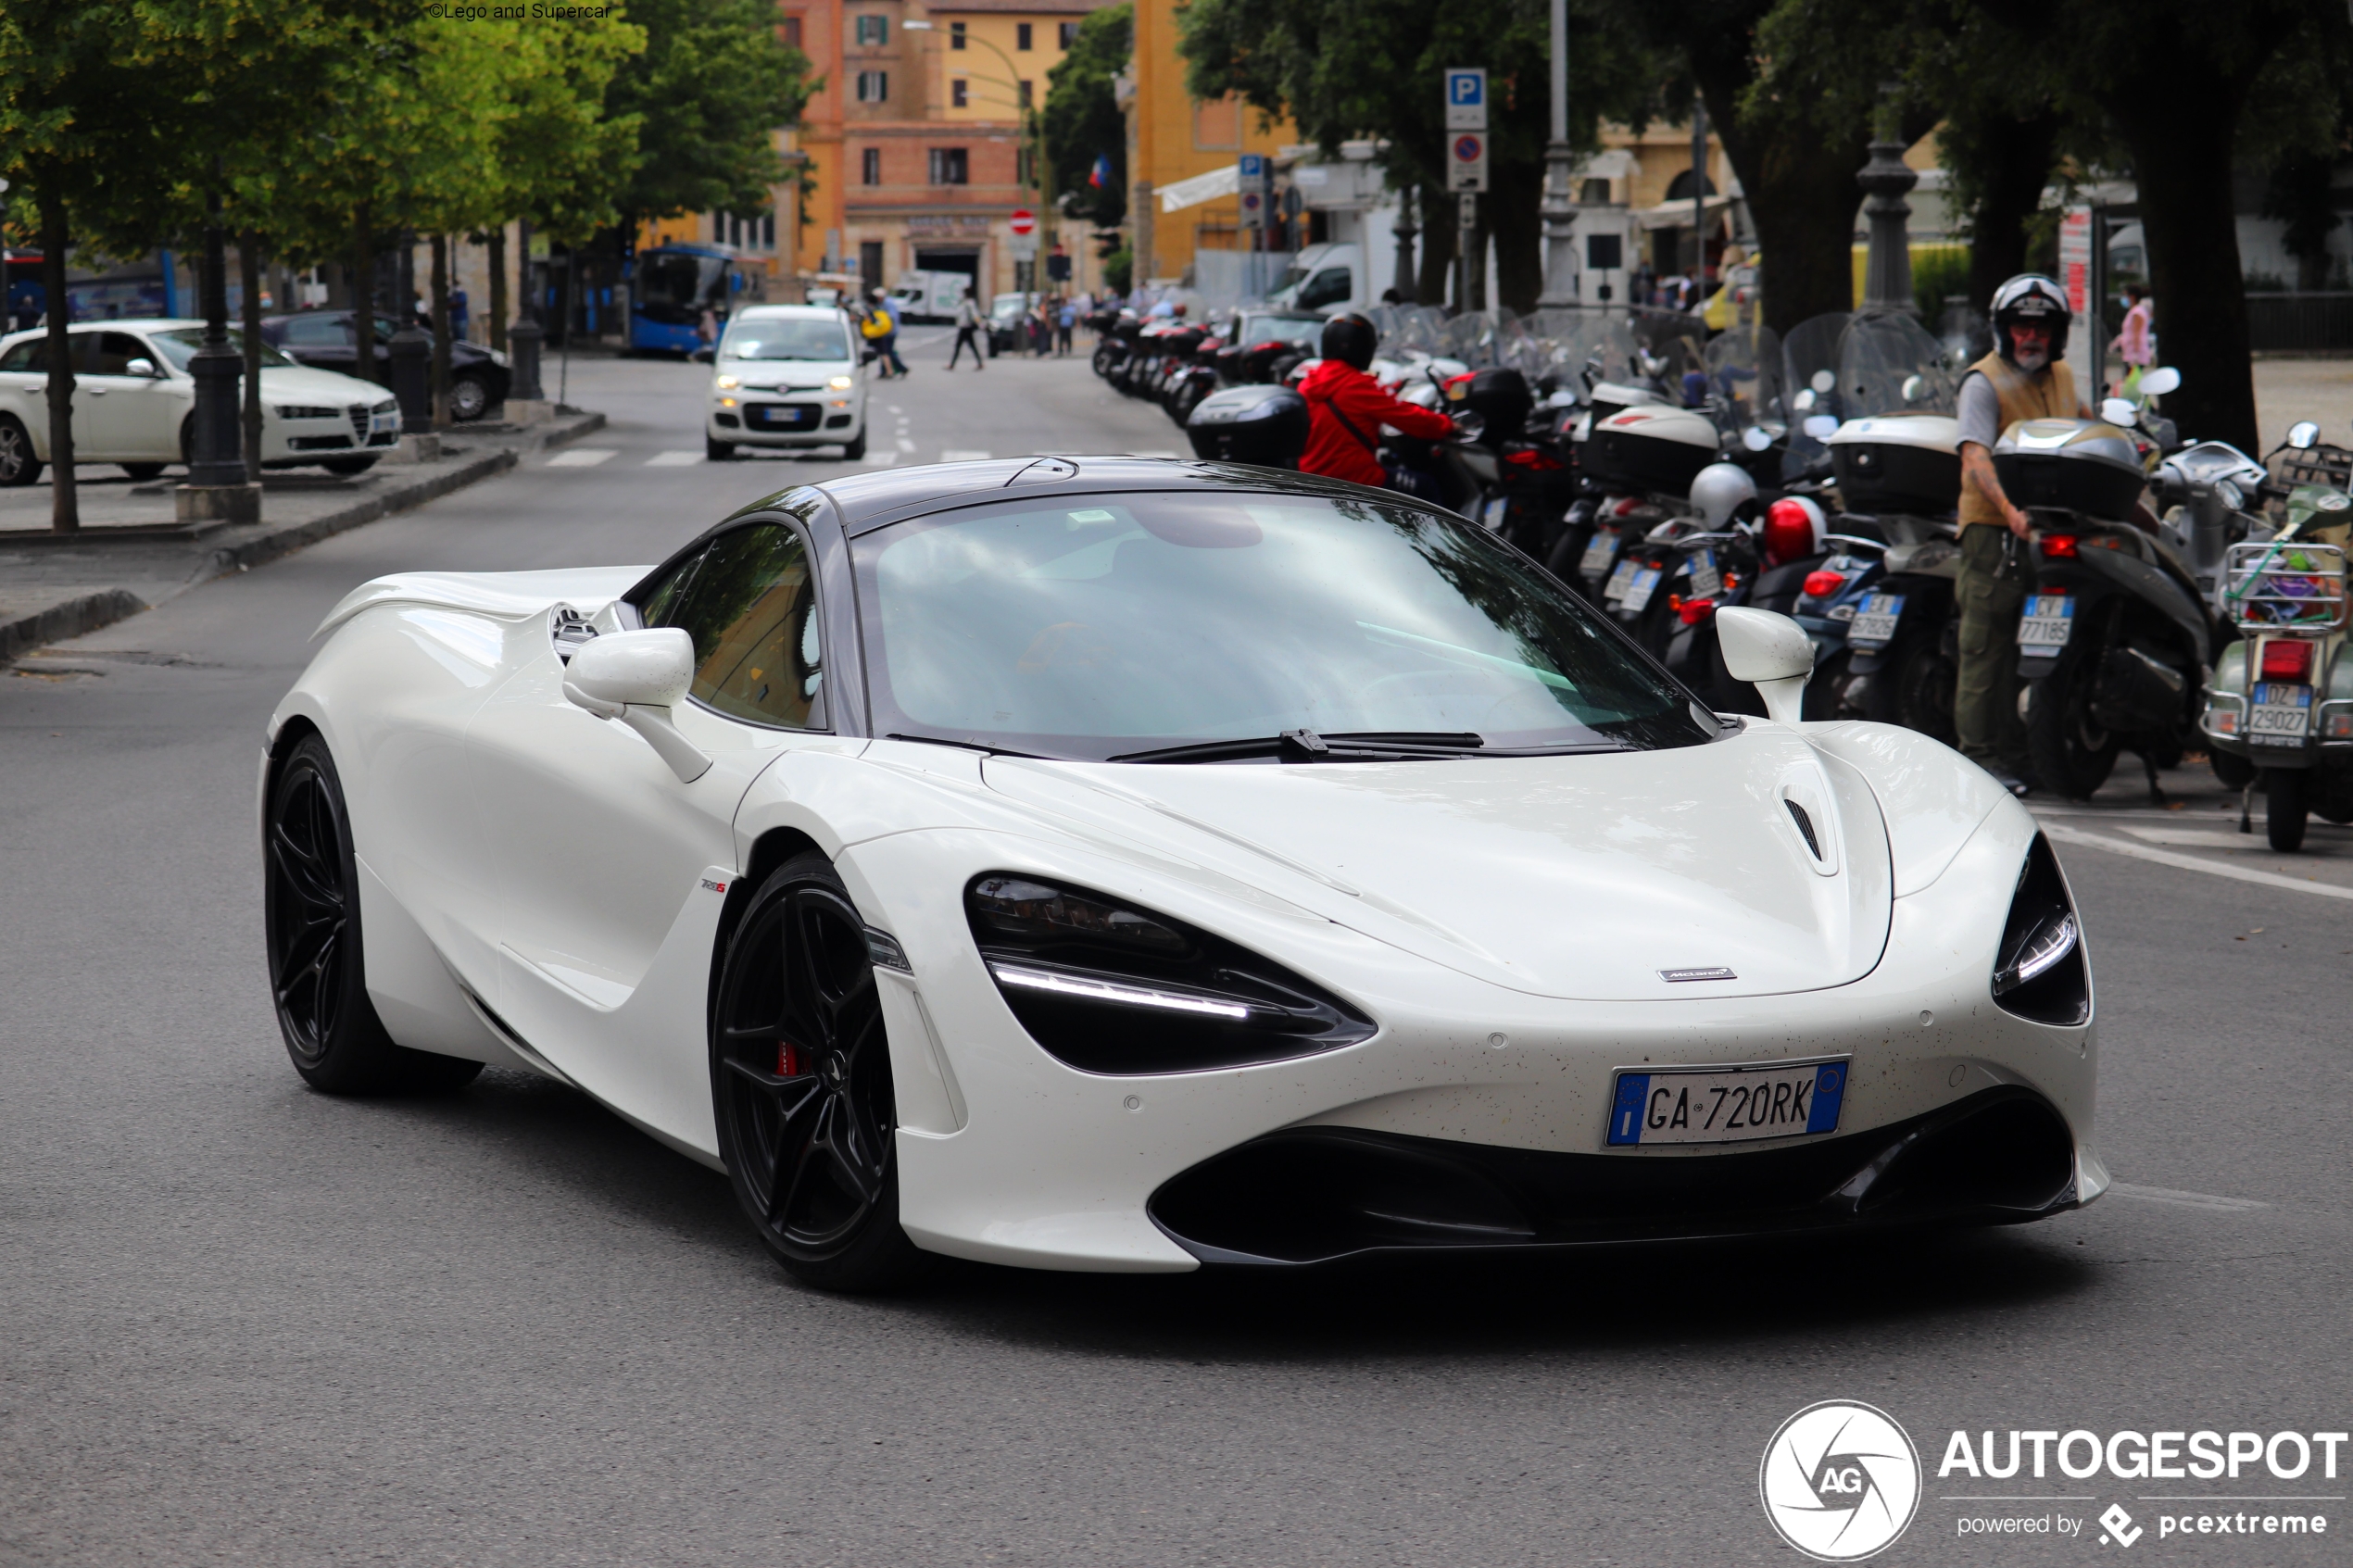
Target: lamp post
[(217, 490), (1560, 209), (1887, 274), (409, 349), (525, 402)]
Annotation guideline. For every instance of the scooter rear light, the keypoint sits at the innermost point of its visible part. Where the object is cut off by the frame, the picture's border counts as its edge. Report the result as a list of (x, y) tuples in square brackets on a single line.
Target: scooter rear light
[(2287, 658), (1543, 462), (2059, 546), (1791, 530), (1822, 584), (1694, 611)]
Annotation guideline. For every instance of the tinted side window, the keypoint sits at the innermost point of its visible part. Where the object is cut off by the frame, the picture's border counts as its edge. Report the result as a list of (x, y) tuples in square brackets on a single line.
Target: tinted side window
[(1327, 287), (319, 331), (116, 350), (30, 358), (750, 604)]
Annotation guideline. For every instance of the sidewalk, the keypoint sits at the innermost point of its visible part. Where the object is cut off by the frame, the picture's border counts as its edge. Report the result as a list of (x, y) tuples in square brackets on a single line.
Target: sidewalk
[(131, 556)]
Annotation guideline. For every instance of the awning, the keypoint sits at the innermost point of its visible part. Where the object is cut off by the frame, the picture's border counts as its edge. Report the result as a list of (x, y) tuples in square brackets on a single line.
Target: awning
[(1202, 188), (1677, 214)]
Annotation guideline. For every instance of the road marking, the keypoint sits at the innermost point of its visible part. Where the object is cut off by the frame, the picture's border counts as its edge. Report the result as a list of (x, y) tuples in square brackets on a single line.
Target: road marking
[(2186, 1199), (2192, 838), (674, 459), (2190, 863), (880, 460), (905, 444), (892, 406), (581, 458), (958, 455)]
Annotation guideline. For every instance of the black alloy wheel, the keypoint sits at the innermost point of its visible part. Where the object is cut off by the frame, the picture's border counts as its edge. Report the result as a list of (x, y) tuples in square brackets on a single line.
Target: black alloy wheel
[(310, 901), (17, 465), (2285, 807), (800, 1081), (469, 397)]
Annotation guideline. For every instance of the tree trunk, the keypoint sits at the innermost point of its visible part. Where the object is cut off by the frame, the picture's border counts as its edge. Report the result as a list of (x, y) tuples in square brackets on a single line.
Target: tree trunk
[(1437, 248), (363, 294), (1801, 192), (498, 290), (2184, 165), (249, 283), (65, 510), (2018, 157), (1517, 224), (440, 332)]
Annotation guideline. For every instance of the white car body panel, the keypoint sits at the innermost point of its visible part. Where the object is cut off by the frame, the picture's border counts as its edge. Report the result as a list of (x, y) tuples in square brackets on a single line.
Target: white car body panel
[(1504, 921)]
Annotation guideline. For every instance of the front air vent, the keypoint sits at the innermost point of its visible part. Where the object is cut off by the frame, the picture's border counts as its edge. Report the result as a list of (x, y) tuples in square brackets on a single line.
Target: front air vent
[(568, 629), (1805, 827)]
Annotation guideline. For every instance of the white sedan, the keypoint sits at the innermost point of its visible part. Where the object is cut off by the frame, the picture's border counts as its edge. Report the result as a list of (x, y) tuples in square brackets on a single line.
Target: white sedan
[(133, 398), (1110, 864), (785, 376)]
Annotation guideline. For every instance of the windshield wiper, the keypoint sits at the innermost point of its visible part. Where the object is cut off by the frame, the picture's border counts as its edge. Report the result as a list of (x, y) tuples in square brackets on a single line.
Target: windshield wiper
[(976, 746), (1356, 746)]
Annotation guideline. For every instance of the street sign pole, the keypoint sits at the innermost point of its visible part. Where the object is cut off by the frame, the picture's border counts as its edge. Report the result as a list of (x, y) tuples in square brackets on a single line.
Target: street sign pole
[(1465, 166)]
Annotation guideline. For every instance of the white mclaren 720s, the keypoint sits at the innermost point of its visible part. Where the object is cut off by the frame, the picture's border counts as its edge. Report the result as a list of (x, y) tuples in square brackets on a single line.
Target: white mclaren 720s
[(1120, 864)]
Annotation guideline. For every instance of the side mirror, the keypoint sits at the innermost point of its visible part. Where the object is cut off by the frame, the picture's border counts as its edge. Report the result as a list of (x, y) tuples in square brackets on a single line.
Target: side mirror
[(2158, 382), (2304, 435), (2119, 411), (1771, 651), (141, 367), (868, 356), (1915, 388), (637, 677), (1755, 440), (1821, 427), (1803, 401), (1822, 380)]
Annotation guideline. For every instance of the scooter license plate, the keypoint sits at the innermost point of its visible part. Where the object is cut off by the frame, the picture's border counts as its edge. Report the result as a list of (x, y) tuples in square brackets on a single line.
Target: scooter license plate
[(2048, 619), (1874, 624), (1493, 513), (1620, 581), (2280, 715), (1598, 552), (1638, 592), (1707, 581)]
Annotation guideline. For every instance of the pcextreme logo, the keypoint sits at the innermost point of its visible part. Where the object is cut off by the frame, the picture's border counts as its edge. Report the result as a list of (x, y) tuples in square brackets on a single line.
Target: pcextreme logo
[(1840, 1481)]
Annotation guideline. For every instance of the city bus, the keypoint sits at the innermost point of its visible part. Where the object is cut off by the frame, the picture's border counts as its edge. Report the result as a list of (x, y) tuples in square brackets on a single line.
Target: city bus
[(670, 287)]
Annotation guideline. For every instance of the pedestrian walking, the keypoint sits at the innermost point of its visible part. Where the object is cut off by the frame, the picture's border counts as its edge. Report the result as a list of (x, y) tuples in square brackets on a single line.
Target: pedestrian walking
[(460, 312), (2023, 379), (1066, 319), (967, 332), (2136, 345)]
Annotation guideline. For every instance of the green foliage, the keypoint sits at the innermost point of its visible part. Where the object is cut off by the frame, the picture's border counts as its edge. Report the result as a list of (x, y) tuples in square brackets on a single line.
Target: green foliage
[(712, 84), (1119, 270), (1082, 118), (1939, 272)]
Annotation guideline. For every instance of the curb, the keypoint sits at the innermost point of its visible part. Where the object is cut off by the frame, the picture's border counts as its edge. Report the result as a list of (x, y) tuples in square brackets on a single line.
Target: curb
[(88, 612)]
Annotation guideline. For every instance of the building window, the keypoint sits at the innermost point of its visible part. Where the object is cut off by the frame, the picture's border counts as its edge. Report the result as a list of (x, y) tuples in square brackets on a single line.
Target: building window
[(1021, 35), (870, 166), (870, 258), (874, 86), (1069, 34), (1217, 124), (872, 31), (955, 36), (950, 166), (1027, 91), (792, 32), (1596, 192), (756, 233), (959, 93)]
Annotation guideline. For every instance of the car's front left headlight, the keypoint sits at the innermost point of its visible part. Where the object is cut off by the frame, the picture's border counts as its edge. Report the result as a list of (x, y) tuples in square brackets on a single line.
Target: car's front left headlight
[(1109, 988), (2039, 971), (728, 384), (842, 384)]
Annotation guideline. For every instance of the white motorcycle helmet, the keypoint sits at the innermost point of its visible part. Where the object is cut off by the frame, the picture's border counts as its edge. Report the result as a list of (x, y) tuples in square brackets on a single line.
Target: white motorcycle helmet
[(1719, 491)]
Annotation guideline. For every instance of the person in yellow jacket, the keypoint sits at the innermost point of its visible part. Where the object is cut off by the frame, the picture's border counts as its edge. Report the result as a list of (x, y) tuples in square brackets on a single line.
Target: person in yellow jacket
[(881, 330), (2023, 379)]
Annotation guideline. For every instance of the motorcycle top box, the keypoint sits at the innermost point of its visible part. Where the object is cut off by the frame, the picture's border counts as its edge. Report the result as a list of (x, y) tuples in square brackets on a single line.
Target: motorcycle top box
[(1498, 396), (2075, 465), (1908, 463), (1265, 425), (1652, 448)]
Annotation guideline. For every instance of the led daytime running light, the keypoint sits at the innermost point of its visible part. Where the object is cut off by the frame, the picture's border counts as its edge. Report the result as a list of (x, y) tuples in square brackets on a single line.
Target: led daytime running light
[(2043, 949), (1110, 991)]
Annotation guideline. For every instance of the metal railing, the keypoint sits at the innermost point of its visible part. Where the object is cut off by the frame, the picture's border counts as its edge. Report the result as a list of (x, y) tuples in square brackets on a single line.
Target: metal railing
[(2300, 324)]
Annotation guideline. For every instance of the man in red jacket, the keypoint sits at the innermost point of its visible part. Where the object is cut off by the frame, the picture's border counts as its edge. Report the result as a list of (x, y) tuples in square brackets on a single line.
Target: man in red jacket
[(1346, 408)]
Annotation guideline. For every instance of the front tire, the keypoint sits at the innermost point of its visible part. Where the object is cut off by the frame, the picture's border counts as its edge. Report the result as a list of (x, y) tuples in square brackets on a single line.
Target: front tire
[(854, 451), (348, 466), (469, 399), (142, 472), (2285, 807), (310, 901), (718, 451), (17, 465), (2072, 754), (801, 1088)]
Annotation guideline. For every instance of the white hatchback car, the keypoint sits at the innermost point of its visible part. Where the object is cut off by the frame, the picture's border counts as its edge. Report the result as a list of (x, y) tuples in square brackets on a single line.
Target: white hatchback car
[(787, 376), (134, 400)]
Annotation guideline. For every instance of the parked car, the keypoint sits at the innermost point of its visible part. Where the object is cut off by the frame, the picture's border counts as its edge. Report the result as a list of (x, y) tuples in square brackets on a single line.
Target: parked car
[(133, 400), (478, 376), (786, 376), (1005, 313)]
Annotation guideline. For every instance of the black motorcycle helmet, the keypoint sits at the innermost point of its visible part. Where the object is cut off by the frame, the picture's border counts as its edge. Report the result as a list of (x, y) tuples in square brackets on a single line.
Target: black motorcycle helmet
[(1349, 339)]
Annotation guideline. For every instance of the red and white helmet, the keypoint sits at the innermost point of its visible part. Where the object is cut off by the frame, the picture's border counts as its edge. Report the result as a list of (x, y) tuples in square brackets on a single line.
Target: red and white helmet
[(1795, 527)]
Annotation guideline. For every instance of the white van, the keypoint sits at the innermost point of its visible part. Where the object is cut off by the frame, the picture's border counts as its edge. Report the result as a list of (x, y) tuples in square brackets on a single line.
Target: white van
[(1327, 280), (928, 296)]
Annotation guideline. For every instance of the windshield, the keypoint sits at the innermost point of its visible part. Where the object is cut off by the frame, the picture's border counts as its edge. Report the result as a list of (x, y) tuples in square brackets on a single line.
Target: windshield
[(180, 345), (1744, 373), (673, 287), (1256, 330), (1111, 626), (1889, 364), (806, 337)]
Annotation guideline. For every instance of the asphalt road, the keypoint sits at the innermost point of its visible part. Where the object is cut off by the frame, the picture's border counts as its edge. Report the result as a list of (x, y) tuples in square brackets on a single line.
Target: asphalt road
[(242, 1323)]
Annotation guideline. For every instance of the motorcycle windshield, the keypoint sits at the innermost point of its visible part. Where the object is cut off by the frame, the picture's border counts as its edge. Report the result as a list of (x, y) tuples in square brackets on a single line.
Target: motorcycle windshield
[(1889, 364), (1744, 378), (1407, 330), (1574, 341), (1673, 353), (1809, 365)]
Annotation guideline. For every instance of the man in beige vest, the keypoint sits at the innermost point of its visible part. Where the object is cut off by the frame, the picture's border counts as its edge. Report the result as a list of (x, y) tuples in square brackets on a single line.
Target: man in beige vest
[(2023, 379)]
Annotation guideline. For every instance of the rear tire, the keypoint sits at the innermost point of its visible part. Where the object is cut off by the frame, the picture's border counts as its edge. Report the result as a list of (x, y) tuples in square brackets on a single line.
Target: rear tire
[(310, 901), (2231, 770), (2284, 808), (801, 1088), (718, 451), (469, 399), (142, 472), (2071, 754), (17, 465)]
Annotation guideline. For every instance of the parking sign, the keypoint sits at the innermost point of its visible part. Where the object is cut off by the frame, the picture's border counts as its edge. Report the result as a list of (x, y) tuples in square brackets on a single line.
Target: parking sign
[(1253, 167), (1466, 100), (1466, 161)]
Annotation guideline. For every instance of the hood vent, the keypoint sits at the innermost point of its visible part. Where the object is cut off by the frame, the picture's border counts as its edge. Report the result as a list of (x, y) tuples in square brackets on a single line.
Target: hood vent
[(1805, 826)]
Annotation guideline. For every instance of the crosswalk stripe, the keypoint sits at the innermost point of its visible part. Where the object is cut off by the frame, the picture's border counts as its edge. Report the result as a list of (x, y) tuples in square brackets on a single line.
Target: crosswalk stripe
[(905, 444), (581, 457), (674, 459), (958, 455)]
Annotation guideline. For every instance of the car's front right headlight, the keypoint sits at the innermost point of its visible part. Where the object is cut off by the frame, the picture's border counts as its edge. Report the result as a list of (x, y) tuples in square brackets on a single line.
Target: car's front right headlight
[(2039, 971), (728, 384), (842, 384), (1109, 988)]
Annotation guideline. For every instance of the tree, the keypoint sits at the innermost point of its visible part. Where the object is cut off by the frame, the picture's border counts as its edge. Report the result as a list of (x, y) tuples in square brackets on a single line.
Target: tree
[(1085, 130), (706, 93), (1343, 69)]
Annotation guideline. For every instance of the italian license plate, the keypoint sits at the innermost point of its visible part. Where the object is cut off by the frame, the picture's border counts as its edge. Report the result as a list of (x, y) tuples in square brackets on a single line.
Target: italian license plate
[(2281, 713), (1493, 513), (1639, 588), (1596, 559), (2048, 619), (1620, 581), (1707, 581), (1874, 624), (1727, 1105)]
